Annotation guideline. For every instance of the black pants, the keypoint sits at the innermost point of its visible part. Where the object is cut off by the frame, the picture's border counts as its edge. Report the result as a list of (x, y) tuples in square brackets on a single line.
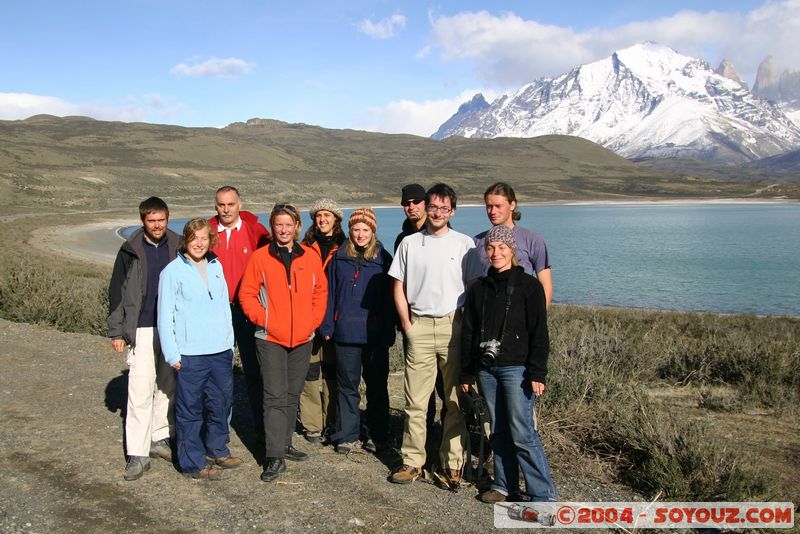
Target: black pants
[(244, 332), (283, 371)]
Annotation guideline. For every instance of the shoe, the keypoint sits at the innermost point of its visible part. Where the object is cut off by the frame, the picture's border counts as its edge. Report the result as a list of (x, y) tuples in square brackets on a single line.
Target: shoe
[(492, 497), (295, 455), (369, 446), (226, 462), (275, 466), (344, 447), (136, 467), (314, 437), (449, 479), (209, 472), (454, 476), (161, 449), (406, 475)]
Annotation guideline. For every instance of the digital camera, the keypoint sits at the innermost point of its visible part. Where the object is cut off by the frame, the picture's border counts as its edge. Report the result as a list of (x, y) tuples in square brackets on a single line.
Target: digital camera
[(489, 353)]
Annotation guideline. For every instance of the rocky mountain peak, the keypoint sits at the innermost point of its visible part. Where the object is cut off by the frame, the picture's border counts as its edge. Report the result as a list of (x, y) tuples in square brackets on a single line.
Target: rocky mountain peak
[(726, 70), (644, 101), (766, 85)]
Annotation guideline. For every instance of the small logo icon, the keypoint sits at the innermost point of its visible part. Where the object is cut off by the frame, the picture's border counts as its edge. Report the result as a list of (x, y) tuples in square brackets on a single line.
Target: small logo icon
[(566, 515)]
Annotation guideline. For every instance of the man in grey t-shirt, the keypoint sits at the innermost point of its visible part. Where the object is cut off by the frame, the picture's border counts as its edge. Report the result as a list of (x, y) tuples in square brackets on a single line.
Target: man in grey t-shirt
[(428, 294)]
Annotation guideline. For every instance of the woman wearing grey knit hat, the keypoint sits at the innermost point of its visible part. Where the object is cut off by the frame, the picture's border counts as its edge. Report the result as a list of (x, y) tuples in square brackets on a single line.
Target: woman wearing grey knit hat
[(318, 399), (505, 346)]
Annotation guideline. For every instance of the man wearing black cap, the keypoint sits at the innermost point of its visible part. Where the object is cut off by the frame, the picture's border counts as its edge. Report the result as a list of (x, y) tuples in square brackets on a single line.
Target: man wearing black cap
[(413, 202)]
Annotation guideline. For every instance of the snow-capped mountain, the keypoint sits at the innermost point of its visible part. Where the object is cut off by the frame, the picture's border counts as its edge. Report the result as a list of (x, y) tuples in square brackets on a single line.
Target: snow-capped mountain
[(644, 101)]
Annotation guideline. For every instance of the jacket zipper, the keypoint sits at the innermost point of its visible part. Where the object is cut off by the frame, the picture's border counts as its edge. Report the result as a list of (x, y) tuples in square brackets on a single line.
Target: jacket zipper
[(291, 306)]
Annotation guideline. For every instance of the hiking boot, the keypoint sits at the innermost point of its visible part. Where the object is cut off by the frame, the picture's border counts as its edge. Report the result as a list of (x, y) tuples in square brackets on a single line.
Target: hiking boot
[(209, 472), (274, 467), (314, 437), (295, 455), (492, 497), (344, 447), (225, 462), (406, 475), (161, 449), (369, 446), (136, 467)]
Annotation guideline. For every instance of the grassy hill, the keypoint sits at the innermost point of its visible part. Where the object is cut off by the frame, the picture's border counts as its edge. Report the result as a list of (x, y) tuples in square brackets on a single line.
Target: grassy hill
[(75, 161)]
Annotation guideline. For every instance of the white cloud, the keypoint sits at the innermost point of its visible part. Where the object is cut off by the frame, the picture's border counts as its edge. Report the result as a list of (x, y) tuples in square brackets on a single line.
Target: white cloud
[(508, 50), (384, 28), (16, 106), (230, 67), (417, 118)]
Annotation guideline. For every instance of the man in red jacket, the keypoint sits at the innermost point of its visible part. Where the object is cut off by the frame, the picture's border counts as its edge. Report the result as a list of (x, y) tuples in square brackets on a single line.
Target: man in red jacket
[(240, 234)]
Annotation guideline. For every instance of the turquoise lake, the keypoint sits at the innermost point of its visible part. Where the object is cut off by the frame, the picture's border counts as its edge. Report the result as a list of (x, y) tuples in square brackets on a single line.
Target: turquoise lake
[(730, 258)]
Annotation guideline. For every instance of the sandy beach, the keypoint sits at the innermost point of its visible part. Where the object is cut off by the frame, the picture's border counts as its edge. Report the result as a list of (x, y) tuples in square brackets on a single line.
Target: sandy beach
[(96, 242)]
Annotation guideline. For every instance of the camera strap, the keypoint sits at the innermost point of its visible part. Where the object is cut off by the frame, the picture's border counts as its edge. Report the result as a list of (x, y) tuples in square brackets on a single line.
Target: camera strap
[(509, 292)]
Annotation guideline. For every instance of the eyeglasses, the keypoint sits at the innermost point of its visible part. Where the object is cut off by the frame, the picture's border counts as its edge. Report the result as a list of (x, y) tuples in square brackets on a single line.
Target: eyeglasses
[(407, 203), (284, 207), (444, 210)]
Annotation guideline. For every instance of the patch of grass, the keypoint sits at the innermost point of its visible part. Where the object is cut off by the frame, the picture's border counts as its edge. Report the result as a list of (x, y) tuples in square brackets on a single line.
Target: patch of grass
[(64, 296), (604, 360)]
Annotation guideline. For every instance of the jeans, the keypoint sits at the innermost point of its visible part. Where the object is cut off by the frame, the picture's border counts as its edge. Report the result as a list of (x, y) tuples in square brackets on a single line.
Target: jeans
[(204, 382), (283, 372), (350, 359), (514, 441)]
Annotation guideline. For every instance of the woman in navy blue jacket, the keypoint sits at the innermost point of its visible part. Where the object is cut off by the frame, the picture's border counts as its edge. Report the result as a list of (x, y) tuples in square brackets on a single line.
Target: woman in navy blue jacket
[(361, 321)]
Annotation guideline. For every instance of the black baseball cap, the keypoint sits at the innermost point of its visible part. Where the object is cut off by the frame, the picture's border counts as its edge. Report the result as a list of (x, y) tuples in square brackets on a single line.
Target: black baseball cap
[(412, 192)]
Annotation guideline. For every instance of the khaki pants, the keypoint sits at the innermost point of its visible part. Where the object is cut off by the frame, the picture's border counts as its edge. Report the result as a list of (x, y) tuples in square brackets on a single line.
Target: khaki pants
[(151, 384), (318, 398), (433, 341)]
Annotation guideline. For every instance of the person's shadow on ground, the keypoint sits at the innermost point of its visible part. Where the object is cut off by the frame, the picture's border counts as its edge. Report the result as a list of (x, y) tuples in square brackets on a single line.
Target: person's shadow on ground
[(117, 400)]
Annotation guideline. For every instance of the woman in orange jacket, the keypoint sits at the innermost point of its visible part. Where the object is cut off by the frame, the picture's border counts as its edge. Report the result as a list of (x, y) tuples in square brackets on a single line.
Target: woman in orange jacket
[(284, 293)]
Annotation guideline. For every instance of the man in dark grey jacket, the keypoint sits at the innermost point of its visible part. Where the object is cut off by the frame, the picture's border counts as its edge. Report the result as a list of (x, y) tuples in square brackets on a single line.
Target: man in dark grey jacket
[(132, 297)]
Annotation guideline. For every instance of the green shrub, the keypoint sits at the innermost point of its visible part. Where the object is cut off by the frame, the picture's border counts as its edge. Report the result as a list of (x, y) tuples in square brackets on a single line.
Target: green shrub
[(72, 300)]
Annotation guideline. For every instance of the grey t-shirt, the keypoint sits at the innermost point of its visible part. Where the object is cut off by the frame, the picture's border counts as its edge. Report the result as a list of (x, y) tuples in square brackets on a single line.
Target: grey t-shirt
[(531, 253)]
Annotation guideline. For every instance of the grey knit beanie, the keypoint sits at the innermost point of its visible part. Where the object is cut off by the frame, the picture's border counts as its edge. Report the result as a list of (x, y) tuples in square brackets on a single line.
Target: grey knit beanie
[(503, 234), (326, 204)]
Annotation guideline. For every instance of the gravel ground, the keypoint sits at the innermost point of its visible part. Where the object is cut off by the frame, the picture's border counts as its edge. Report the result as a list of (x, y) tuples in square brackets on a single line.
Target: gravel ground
[(61, 400)]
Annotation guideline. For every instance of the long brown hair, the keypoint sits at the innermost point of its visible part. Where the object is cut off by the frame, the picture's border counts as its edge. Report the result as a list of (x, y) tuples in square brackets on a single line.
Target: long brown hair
[(311, 234), (504, 190)]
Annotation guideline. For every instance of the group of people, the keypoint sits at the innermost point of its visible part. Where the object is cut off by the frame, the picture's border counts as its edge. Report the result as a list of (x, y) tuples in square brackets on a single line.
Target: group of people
[(312, 317)]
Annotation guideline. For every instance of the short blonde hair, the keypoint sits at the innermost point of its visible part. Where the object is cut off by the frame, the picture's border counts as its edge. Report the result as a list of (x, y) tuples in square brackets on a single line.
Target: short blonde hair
[(284, 208), (191, 228)]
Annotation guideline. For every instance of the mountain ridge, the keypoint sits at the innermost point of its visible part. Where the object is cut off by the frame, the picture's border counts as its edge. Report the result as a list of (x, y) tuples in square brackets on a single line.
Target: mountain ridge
[(641, 102)]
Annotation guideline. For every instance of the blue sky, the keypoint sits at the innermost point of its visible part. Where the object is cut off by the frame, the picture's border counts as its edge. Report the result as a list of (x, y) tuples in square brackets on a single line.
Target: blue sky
[(372, 65)]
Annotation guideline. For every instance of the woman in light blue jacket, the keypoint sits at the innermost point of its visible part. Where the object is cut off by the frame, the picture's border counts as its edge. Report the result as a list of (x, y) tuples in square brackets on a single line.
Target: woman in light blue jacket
[(194, 327)]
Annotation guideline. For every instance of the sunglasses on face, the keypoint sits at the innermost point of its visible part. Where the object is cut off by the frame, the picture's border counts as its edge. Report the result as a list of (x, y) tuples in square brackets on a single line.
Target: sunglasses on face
[(407, 203)]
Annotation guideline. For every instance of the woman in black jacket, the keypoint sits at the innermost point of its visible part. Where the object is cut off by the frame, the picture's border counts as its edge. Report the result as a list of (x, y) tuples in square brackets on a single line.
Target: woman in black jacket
[(505, 346)]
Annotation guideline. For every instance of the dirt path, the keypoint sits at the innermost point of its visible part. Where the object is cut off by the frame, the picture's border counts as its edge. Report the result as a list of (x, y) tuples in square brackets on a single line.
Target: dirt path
[(61, 397)]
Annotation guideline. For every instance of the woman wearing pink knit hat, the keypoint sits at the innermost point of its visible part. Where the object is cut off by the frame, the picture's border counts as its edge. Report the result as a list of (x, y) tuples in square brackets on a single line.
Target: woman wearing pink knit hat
[(361, 321)]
